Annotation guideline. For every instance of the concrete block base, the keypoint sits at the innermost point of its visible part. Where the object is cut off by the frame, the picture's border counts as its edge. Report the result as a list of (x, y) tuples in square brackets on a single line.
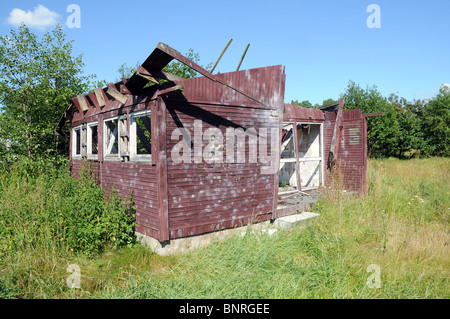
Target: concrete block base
[(182, 245)]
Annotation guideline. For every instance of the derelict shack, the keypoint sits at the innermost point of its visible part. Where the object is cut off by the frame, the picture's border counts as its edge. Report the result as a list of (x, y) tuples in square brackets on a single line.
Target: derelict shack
[(210, 152)]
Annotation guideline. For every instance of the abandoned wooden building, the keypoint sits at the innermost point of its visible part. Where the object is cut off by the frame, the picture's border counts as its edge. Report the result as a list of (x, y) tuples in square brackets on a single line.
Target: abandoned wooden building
[(211, 152)]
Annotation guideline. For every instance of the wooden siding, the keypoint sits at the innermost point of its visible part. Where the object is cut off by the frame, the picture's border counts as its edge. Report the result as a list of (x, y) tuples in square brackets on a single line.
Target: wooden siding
[(351, 151), (352, 154), (126, 177), (139, 177), (205, 197), (178, 200)]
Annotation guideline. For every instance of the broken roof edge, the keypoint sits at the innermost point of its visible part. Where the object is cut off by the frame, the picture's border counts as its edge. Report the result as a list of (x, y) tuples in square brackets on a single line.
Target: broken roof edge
[(297, 112), (161, 56)]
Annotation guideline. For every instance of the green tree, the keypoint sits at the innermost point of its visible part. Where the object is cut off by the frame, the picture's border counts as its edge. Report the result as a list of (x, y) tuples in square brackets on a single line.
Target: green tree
[(330, 100), (126, 71), (411, 140), (38, 78), (182, 70), (174, 67), (304, 103), (383, 132), (436, 122)]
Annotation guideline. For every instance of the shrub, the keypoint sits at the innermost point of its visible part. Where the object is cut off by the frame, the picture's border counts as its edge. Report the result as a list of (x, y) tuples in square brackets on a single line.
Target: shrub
[(43, 207)]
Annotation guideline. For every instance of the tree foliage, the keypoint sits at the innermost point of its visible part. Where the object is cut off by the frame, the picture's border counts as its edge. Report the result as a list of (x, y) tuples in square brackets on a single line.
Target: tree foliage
[(307, 103), (383, 132), (182, 70), (174, 67), (436, 123), (38, 78), (418, 128)]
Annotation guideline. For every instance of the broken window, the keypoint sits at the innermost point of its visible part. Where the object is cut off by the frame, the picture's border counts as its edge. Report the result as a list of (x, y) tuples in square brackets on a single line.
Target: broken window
[(309, 137), (85, 141), (76, 142), (288, 160), (92, 140), (140, 136), (111, 138)]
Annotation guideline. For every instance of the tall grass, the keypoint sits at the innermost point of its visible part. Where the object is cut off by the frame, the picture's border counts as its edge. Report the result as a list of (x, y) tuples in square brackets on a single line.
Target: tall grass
[(402, 226), (45, 216)]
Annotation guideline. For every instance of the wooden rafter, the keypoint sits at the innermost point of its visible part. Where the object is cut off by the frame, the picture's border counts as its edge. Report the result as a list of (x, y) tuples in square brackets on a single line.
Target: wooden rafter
[(116, 95), (99, 94), (178, 56), (143, 73), (173, 89), (82, 102)]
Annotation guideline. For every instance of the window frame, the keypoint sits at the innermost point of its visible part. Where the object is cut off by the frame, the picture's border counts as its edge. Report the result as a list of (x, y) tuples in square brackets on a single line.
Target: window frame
[(74, 142), (133, 137), (111, 157), (89, 154)]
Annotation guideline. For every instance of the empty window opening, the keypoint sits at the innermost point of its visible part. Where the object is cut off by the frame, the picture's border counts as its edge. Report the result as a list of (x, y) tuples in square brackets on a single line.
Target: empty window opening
[(111, 140), (140, 136), (288, 161), (76, 146), (92, 140)]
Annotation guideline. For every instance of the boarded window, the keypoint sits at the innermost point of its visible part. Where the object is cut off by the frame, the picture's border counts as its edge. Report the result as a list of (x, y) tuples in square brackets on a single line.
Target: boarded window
[(353, 136)]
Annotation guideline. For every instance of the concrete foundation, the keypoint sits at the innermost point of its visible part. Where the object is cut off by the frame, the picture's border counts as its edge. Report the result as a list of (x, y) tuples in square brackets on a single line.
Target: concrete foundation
[(182, 245)]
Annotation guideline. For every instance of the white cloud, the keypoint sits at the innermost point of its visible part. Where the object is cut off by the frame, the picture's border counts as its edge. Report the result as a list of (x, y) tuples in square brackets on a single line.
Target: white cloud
[(40, 18), (447, 85)]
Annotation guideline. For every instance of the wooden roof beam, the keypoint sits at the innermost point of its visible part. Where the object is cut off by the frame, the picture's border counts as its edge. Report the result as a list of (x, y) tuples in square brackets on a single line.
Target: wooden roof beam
[(82, 102), (173, 89), (101, 97), (112, 91), (178, 56), (143, 73)]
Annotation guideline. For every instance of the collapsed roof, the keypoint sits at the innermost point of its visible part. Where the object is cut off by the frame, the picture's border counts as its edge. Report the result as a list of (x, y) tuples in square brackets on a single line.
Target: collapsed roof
[(149, 71)]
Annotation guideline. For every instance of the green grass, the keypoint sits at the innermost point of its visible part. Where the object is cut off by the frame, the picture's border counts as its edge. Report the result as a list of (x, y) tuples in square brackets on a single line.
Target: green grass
[(402, 226)]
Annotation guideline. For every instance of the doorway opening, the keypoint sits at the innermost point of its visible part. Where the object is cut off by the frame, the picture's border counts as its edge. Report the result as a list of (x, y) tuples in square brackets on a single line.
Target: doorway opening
[(301, 157)]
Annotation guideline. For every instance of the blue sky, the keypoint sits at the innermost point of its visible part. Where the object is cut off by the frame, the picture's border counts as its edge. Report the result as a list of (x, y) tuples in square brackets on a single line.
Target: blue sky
[(323, 44)]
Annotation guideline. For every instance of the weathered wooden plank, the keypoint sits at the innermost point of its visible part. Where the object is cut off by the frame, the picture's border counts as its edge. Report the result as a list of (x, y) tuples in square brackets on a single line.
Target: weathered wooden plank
[(212, 219), (116, 95), (82, 102), (100, 95), (143, 73), (221, 55), (173, 89), (192, 230), (78, 106), (218, 205), (91, 96), (161, 165)]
